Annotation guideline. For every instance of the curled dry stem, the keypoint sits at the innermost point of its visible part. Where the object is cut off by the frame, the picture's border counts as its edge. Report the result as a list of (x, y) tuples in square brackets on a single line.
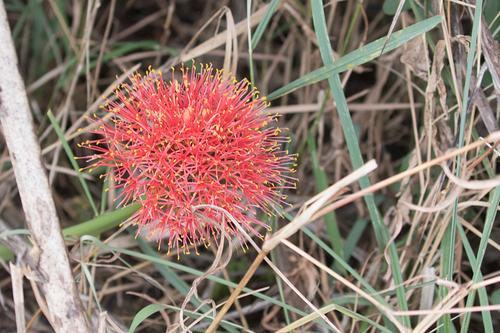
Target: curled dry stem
[(212, 270)]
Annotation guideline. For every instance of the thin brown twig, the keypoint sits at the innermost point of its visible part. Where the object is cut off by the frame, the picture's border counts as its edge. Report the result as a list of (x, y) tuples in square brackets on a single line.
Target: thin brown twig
[(481, 158)]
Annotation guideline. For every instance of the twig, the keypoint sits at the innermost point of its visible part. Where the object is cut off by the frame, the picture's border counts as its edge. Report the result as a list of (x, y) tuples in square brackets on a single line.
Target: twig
[(66, 309)]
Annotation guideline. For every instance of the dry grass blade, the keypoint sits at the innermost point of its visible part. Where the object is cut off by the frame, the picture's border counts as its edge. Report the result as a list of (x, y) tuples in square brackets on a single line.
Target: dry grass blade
[(445, 306), (231, 43), (471, 185), (393, 24), (491, 51), (385, 310), (214, 268), (315, 204), (17, 275), (218, 40)]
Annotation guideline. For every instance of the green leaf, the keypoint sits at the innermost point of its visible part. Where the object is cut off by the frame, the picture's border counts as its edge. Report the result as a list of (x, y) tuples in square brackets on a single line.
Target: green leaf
[(332, 227), (145, 313), (359, 57), (71, 157), (264, 22)]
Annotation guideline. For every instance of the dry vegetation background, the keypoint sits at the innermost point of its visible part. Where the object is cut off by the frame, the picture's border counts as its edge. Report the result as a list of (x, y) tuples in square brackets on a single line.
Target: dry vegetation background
[(404, 110)]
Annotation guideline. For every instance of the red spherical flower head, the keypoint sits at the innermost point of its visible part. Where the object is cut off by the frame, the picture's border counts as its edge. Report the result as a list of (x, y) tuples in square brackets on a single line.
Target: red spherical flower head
[(202, 141)]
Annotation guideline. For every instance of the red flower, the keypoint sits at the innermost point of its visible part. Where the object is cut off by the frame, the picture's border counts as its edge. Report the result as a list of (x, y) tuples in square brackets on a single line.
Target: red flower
[(201, 141)]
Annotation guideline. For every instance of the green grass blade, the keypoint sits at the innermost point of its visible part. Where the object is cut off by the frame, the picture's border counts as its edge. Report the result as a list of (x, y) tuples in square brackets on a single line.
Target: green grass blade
[(448, 242), (145, 313), (333, 307), (361, 318), (353, 272), (381, 232), (104, 195), (332, 227), (355, 17), (91, 227), (20, 24), (250, 49), (263, 23), (101, 223), (120, 50), (279, 282), (91, 284), (483, 296), (488, 226), (15, 232), (359, 57), (71, 157), (154, 308), (354, 236)]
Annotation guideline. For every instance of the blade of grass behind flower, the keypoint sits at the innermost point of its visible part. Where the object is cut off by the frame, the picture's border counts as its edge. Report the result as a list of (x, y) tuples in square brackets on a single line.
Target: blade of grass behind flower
[(220, 38), (102, 223), (90, 240), (91, 227), (263, 23), (279, 282), (120, 50), (90, 280), (63, 19), (448, 242), (483, 296), (24, 12), (332, 307), (13, 6), (358, 57), (273, 223), (354, 236), (332, 227), (250, 48), (369, 289), (351, 27), (43, 27), (71, 157), (104, 193), (488, 226), (151, 309), (381, 232), (329, 250)]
